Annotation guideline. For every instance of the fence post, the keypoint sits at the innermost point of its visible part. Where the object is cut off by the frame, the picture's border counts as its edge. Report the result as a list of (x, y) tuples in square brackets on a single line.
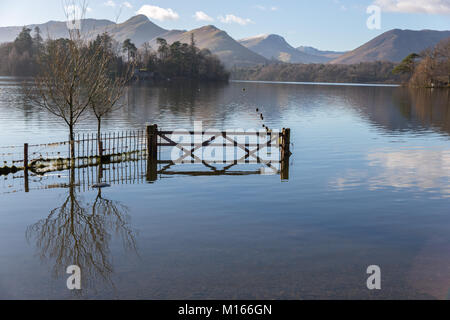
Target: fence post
[(152, 141), (286, 147), (285, 154), (25, 166), (152, 152), (25, 155)]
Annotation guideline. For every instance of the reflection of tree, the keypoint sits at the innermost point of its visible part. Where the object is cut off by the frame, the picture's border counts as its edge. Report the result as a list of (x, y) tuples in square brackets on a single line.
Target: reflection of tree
[(78, 233)]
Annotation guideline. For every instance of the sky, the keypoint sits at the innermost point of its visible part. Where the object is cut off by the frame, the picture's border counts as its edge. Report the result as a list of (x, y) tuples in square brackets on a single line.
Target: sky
[(324, 24)]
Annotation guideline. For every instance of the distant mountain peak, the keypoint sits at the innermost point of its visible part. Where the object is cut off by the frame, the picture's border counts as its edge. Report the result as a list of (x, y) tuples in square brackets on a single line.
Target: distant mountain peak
[(274, 46), (138, 18), (218, 42), (260, 36), (209, 28), (274, 36)]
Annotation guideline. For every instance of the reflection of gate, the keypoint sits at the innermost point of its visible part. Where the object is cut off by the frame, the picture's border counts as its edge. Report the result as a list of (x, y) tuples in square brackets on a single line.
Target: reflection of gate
[(252, 144)]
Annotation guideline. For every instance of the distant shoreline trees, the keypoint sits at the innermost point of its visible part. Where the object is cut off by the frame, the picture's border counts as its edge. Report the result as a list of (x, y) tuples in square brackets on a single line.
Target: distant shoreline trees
[(169, 61), (19, 58), (366, 72), (429, 69), (433, 69), (181, 61)]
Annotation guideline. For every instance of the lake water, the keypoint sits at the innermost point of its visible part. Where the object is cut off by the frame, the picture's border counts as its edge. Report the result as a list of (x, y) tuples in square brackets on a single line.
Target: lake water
[(369, 184)]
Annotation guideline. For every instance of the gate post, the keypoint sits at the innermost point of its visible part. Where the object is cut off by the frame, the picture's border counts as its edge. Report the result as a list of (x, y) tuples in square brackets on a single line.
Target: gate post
[(152, 141), (152, 152), (285, 154), (25, 166), (287, 143)]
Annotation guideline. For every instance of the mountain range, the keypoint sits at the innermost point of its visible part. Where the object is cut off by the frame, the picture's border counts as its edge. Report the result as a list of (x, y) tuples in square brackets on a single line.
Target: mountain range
[(275, 47), (54, 29), (315, 52), (231, 52), (393, 45)]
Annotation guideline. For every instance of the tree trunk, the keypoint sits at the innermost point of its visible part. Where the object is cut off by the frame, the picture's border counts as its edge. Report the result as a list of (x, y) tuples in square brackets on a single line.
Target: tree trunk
[(99, 136), (72, 142)]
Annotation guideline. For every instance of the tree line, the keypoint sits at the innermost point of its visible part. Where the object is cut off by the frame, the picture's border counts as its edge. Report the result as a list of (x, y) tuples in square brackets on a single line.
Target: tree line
[(430, 68), (177, 60), (366, 72), (168, 61), (19, 58)]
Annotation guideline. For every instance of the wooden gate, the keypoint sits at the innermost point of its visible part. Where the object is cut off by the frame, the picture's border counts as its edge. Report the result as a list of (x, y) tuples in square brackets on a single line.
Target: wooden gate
[(158, 139)]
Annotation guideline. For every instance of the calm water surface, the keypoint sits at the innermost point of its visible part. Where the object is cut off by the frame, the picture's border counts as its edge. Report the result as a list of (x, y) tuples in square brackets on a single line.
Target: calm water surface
[(369, 185)]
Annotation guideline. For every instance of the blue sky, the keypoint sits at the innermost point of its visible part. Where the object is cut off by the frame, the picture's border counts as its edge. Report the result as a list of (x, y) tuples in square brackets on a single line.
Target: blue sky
[(325, 24)]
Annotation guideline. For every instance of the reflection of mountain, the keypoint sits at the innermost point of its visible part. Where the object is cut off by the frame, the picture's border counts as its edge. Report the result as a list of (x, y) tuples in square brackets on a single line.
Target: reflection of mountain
[(78, 233)]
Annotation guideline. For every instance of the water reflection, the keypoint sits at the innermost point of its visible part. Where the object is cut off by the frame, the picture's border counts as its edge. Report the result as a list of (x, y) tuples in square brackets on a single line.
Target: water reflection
[(79, 233), (421, 169), (399, 110), (178, 105), (369, 183)]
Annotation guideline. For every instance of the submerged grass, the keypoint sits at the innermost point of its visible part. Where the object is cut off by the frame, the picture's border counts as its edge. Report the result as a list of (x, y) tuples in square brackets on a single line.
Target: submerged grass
[(4, 171), (41, 166)]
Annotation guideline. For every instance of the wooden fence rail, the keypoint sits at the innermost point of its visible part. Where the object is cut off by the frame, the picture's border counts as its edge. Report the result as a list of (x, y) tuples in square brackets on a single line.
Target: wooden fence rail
[(145, 145)]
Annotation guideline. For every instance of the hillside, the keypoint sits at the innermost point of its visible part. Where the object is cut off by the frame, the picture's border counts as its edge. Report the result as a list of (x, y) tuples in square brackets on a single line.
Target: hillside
[(138, 28), (275, 47), (316, 52), (54, 29), (393, 46), (230, 52)]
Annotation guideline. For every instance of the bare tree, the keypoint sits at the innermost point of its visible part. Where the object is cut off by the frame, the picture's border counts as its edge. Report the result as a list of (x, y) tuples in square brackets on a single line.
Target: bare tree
[(443, 56), (110, 88), (107, 97), (66, 67)]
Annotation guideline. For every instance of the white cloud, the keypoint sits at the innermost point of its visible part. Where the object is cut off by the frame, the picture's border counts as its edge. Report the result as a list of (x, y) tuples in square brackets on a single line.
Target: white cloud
[(127, 5), (231, 18), (110, 3), (415, 6), (201, 16), (157, 13), (264, 8)]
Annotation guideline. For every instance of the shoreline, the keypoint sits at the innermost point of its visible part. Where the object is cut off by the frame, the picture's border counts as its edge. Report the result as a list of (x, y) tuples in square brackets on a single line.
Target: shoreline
[(320, 83)]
